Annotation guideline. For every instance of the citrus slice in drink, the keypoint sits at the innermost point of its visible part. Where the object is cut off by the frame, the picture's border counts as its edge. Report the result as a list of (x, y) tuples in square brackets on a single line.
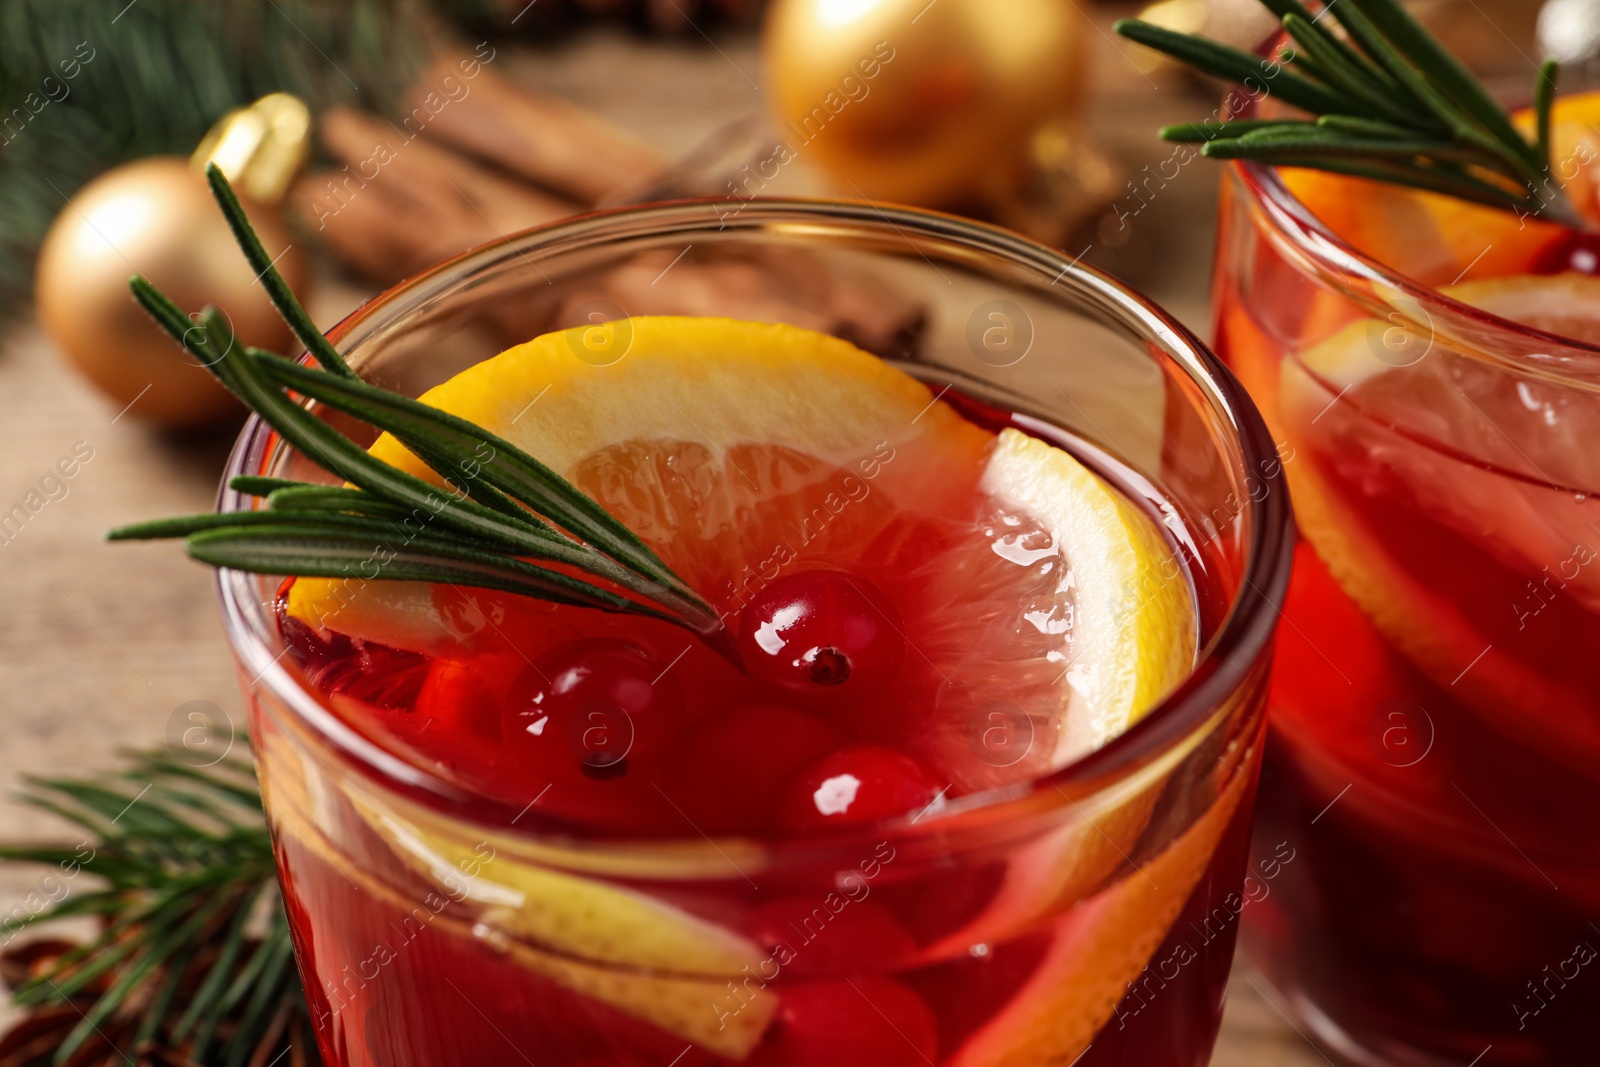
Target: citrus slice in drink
[(1494, 460), (641, 955), (1134, 631), (685, 426), (1431, 238), (637, 953), (1440, 240), (1574, 147), (1134, 616)]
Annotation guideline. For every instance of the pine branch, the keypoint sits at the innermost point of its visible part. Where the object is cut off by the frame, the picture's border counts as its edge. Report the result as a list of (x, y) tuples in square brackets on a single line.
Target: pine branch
[(1387, 102), (185, 868), (1544, 98), (108, 85)]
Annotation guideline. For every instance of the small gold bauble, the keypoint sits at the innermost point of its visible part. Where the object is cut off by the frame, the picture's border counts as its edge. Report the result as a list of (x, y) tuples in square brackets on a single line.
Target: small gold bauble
[(924, 103), (156, 217)]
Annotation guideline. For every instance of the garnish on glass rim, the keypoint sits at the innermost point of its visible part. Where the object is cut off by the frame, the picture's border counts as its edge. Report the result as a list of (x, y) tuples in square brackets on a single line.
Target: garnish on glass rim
[(1391, 104), (502, 508)]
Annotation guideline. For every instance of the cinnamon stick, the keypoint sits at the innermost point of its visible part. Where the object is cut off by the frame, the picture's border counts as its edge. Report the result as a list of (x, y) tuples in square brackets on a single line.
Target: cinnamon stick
[(396, 206), (539, 137)]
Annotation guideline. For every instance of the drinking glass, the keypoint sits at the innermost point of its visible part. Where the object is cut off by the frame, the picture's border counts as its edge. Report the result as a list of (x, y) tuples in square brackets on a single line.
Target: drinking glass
[(1434, 747), (1087, 916)]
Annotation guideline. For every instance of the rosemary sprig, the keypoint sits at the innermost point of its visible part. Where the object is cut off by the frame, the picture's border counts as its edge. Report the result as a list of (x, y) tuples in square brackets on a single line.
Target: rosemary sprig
[(502, 509), (1388, 102), (193, 953)]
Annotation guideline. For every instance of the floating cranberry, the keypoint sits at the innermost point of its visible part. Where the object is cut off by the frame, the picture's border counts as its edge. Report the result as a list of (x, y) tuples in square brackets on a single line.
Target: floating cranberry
[(831, 932), (727, 771), (825, 635), (856, 784), (1572, 251), (589, 707)]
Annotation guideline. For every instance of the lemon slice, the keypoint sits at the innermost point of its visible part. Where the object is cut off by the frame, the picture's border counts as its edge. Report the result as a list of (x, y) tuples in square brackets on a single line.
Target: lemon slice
[(569, 913), (1463, 406), (1134, 619), (630, 950), (1134, 640), (718, 382), (800, 393)]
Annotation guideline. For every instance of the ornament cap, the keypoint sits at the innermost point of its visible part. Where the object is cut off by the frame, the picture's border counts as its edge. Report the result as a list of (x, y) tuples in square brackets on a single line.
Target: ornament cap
[(260, 148)]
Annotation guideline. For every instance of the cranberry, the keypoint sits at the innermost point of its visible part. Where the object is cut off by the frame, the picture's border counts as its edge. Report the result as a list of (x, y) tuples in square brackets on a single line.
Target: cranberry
[(825, 635), (854, 784), (866, 1021), (831, 932), (1573, 251), (938, 906), (726, 772), (589, 706)]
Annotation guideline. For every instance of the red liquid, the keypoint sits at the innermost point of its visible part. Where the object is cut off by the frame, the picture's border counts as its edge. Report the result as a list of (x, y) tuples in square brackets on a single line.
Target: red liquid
[(899, 970), (1434, 750)]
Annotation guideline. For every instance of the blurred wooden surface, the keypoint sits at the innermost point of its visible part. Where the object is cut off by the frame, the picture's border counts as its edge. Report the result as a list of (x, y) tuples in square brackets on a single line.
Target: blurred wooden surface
[(100, 645)]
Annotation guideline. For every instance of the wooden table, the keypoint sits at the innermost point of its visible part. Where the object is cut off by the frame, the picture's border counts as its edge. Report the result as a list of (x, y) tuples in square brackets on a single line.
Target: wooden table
[(100, 646)]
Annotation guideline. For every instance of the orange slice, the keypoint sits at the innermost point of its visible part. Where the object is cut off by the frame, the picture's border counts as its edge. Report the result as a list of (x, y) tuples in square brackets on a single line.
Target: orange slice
[(1440, 240), (1433, 239), (1574, 147), (728, 414)]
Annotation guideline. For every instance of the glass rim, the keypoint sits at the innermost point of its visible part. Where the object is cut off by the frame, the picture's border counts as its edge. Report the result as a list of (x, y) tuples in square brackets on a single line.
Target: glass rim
[(1337, 260), (1239, 640)]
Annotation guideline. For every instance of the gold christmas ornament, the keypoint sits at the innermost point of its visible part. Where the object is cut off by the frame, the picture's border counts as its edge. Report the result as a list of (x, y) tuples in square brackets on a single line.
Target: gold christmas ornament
[(935, 104), (1181, 16), (1245, 24), (155, 217)]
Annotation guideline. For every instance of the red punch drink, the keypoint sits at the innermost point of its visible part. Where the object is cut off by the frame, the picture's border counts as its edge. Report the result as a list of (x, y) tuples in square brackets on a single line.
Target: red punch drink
[(1435, 748), (959, 768)]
